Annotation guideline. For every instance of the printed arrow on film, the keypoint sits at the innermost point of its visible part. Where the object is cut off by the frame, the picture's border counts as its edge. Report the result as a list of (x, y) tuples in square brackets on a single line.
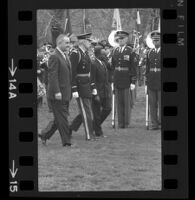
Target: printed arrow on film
[(13, 171), (12, 69)]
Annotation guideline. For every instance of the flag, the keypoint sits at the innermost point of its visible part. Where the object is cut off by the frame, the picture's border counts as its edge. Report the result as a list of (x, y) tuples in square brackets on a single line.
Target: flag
[(67, 26), (138, 18), (159, 25), (116, 21), (86, 23)]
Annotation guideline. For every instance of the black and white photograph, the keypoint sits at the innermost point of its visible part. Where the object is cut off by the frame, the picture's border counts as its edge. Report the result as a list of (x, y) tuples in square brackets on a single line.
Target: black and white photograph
[(99, 99)]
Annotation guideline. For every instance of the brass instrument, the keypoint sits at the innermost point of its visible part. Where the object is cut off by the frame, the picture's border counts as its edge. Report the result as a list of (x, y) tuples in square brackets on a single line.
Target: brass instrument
[(149, 41), (111, 39)]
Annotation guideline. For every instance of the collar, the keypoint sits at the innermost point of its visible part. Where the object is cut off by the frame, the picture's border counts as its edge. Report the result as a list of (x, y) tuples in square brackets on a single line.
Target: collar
[(61, 52), (82, 49), (157, 50), (123, 47)]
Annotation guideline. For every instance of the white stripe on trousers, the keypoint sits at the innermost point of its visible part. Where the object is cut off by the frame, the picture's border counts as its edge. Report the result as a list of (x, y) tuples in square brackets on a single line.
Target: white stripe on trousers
[(85, 118)]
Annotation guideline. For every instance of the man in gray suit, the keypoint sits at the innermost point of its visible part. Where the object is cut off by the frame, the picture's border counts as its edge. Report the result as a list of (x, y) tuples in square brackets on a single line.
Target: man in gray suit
[(59, 91)]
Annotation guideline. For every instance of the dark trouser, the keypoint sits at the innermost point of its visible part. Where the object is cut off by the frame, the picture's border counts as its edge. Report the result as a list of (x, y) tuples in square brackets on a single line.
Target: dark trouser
[(85, 116), (101, 110), (154, 98), (140, 76), (123, 101), (60, 123), (48, 101)]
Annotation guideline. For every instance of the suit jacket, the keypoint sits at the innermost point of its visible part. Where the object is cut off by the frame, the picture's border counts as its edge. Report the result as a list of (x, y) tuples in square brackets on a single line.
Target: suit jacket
[(100, 74), (59, 76)]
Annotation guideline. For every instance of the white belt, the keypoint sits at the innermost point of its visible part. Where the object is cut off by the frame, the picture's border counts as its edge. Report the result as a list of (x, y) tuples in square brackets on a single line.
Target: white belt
[(122, 68), (84, 75), (155, 69)]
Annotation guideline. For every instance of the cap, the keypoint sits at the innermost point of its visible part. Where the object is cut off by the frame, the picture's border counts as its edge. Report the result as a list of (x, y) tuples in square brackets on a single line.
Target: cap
[(121, 34), (97, 49), (73, 38), (85, 36), (104, 43), (155, 35)]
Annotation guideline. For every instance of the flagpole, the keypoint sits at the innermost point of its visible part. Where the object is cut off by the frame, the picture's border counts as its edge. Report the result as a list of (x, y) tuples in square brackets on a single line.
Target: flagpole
[(84, 20)]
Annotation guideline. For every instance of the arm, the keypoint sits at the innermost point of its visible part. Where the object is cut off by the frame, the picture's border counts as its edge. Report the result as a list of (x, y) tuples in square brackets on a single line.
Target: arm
[(133, 68), (147, 66), (53, 67), (74, 59), (93, 78)]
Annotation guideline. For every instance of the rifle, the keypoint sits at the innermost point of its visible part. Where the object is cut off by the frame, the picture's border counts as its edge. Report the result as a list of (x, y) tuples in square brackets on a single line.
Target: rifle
[(113, 106)]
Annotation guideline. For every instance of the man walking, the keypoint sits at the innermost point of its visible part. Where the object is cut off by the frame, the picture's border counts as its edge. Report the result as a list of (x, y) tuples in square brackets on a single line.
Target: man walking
[(59, 91), (83, 87), (102, 106)]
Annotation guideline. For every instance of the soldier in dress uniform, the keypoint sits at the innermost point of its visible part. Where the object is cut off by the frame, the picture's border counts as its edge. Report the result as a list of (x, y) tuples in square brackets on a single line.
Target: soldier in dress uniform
[(153, 81), (83, 87), (101, 106), (124, 78)]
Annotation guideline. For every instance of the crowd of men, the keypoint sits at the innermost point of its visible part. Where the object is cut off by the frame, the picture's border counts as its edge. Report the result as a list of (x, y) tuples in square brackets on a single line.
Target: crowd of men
[(84, 69)]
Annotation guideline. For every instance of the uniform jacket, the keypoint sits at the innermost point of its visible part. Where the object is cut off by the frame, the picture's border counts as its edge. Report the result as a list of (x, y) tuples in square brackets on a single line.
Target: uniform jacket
[(153, 70), (59, 76), (81, 64), (123, 79), (100, 73)]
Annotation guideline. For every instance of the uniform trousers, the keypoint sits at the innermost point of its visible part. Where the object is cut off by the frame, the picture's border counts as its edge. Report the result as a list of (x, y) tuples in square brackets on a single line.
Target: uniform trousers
[(124, 105), (60, 122), (154, 99), (85, 116), (101, 110)]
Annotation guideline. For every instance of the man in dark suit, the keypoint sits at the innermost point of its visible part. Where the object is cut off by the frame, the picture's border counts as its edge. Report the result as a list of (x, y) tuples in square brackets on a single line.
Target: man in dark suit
[(101, 106), (153, 81), (59, 91), (124, 78)]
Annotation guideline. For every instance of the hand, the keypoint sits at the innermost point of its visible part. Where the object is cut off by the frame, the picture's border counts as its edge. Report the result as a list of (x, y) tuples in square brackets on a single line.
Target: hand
[(75, 94), (97, 98), (145, 89), (110, 60), (94, 92), (132, 86), (58, 96)]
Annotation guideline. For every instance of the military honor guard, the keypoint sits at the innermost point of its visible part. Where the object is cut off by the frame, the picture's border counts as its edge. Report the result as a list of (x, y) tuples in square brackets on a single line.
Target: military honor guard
[(153, 81), (59, 91), (101, 104), (83, 87), (124, 78)]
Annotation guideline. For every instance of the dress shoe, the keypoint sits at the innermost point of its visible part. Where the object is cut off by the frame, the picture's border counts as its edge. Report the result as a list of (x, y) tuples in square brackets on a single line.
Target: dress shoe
[(103, 136), (43, 140), (67, 145)]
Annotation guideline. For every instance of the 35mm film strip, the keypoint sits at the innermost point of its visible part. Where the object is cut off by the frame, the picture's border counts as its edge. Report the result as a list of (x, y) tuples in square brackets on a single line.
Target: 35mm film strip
[(23, 140)]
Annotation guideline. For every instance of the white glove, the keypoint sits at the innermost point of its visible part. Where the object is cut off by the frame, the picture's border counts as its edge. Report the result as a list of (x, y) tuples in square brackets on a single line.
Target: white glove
[(75, 94), (58, 96), (94, 92), (132, 86), (145, 89)]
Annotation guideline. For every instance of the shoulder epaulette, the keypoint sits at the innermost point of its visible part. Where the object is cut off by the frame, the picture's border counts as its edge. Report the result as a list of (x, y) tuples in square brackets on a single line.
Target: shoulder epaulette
[(129, 47), (74, 51)]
